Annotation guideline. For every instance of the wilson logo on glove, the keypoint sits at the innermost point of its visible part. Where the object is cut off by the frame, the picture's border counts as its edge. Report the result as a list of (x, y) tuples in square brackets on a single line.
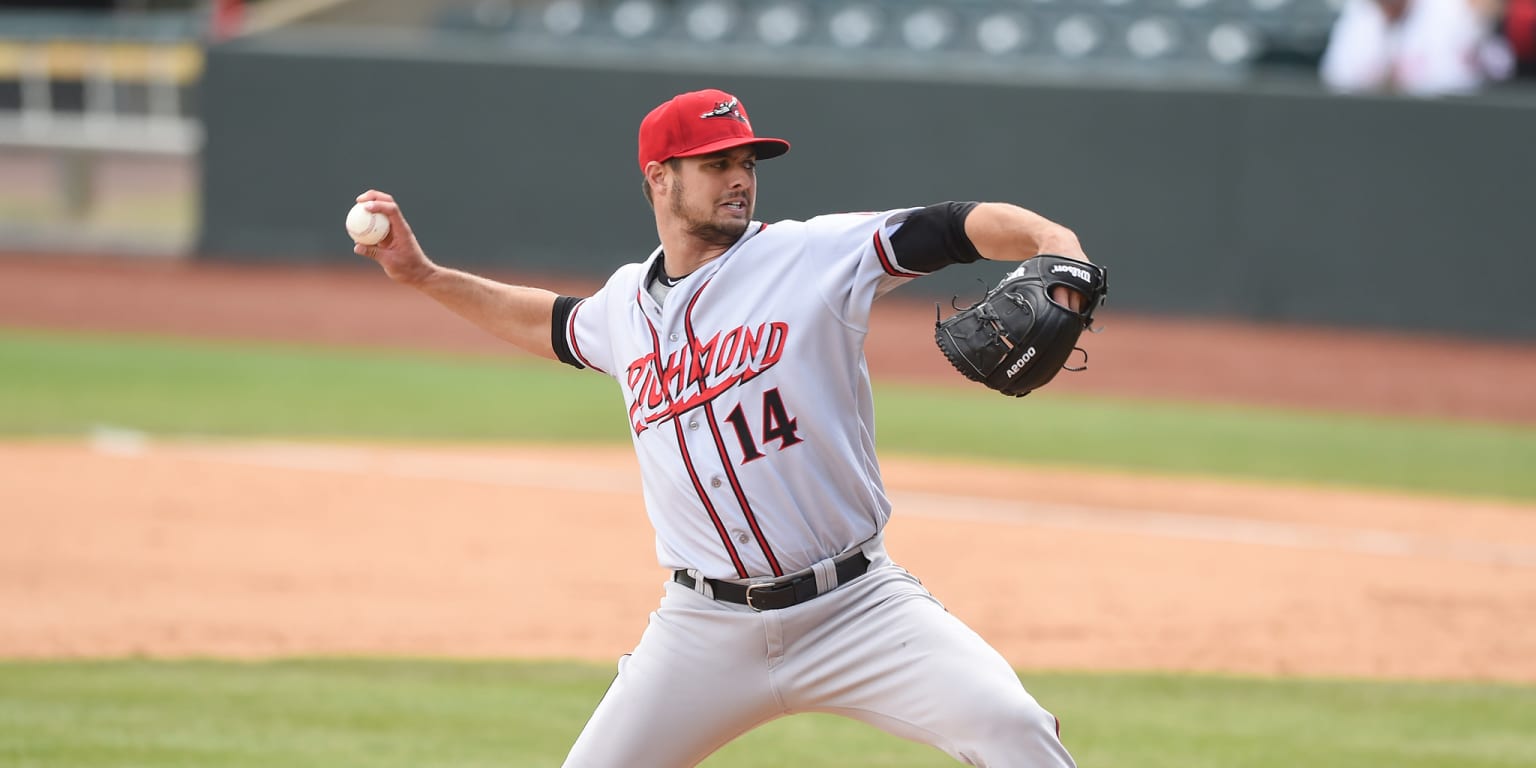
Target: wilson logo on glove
[(994, 340), (1075, 271)]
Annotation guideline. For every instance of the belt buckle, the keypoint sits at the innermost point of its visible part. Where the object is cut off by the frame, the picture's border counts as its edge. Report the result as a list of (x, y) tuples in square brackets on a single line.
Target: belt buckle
[(751, 588)]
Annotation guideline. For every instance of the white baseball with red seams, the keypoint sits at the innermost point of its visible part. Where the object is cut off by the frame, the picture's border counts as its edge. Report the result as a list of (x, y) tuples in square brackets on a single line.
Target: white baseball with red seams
[(365, 226), (749, 406)]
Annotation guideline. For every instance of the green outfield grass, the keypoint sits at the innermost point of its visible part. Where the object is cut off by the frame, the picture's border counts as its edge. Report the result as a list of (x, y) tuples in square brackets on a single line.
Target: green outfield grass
[(67, 384), (376, 714)]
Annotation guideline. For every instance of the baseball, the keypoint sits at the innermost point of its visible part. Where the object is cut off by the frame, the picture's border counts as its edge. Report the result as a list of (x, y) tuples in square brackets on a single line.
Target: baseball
[(365, 226)]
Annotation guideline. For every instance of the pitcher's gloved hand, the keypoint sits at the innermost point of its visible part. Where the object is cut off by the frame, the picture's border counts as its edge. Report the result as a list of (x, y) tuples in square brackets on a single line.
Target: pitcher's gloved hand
[(1017, 338)]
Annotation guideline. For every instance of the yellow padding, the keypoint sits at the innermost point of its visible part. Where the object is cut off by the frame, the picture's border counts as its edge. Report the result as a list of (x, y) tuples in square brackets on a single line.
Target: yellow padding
[(181, 63)]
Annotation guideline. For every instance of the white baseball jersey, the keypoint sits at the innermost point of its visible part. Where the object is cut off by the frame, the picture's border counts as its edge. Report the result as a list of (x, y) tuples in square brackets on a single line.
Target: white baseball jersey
[(741, 387)]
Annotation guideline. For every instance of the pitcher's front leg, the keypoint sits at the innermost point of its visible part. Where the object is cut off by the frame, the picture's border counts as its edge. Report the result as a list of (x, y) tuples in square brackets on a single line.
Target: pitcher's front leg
[(697, 680)]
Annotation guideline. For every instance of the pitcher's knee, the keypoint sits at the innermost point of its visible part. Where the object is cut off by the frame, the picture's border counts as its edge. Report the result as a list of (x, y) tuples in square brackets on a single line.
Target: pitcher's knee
[(1020, 733)]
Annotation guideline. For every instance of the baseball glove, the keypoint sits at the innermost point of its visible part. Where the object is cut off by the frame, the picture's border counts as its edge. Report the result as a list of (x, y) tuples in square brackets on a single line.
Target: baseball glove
[(1017, 338)]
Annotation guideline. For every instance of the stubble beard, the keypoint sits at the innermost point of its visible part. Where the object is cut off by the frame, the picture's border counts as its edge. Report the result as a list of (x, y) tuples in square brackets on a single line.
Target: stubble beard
[(705, 228)]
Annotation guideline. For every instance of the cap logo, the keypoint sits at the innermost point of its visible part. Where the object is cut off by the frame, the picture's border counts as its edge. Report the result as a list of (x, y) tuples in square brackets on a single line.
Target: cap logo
[(727, 109)]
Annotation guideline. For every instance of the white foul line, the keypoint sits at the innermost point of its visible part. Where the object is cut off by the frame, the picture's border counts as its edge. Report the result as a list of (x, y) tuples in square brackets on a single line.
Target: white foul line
[(1210, 528)]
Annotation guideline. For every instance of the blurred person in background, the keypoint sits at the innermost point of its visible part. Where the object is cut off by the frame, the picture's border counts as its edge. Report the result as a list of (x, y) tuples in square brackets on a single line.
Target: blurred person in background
[(1520, 31), (1417, 47)]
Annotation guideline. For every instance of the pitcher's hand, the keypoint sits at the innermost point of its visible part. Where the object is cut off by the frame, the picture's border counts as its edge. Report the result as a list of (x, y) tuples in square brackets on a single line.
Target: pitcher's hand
[(398, 253)]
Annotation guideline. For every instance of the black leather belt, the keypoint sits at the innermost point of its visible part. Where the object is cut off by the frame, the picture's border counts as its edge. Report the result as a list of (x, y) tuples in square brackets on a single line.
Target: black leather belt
[(773, 595)]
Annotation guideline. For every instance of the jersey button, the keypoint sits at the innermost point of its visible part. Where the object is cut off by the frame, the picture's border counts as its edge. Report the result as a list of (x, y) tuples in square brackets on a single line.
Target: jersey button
[(742, 537), (693, 425), (714, 482), (672, 337)]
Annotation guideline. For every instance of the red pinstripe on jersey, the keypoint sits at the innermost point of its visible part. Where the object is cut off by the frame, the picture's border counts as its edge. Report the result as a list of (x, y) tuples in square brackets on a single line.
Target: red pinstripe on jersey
[(714, 429), (570, 335), (682, 446), (891, 267)]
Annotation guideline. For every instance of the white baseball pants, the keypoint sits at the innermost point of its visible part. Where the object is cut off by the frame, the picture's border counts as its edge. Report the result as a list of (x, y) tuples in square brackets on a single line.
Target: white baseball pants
[(879, 649)]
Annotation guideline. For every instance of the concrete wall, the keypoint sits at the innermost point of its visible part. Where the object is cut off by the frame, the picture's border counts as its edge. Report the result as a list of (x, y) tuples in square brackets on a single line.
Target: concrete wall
[(1265, 202)]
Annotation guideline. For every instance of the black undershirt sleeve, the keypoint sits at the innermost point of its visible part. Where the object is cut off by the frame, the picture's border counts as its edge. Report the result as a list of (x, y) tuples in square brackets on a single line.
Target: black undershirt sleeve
[(562, 346), (934, 237)]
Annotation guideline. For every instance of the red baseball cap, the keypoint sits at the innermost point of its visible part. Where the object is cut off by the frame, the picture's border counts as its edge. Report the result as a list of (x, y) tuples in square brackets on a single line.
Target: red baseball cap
[(698, 123)]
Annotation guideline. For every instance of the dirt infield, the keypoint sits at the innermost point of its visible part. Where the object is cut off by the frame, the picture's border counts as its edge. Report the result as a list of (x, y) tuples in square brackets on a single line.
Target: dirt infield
[(122, 545)]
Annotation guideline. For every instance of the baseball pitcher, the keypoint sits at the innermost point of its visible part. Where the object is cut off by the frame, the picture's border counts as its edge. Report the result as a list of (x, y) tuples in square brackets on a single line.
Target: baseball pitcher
[(738, 346)]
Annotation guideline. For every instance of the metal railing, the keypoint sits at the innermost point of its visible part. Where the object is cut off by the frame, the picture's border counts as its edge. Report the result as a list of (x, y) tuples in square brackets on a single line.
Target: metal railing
[(99, 130), (128, 77)]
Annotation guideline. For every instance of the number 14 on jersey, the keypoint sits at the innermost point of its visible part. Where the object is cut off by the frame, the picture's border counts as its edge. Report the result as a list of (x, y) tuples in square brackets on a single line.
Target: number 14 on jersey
[(776, 425)]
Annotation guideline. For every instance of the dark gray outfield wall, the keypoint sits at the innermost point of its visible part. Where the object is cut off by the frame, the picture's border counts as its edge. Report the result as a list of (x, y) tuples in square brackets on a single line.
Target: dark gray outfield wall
[(1266, 203)]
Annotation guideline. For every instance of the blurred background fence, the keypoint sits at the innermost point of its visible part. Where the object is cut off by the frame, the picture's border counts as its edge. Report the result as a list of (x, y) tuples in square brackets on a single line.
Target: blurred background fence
[(99, 126), (1188, 141)]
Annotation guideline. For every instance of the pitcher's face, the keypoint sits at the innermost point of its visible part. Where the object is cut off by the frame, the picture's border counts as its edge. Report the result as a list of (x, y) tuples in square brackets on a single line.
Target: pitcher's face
[(713, 195)]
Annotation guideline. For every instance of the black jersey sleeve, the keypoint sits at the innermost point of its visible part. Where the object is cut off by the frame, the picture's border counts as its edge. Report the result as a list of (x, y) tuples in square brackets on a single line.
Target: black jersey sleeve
[(934, 237), (564, 305)]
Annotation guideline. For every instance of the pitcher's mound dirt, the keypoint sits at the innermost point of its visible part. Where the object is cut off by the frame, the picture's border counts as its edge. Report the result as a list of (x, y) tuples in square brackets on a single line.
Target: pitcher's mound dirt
[(168, 549)]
